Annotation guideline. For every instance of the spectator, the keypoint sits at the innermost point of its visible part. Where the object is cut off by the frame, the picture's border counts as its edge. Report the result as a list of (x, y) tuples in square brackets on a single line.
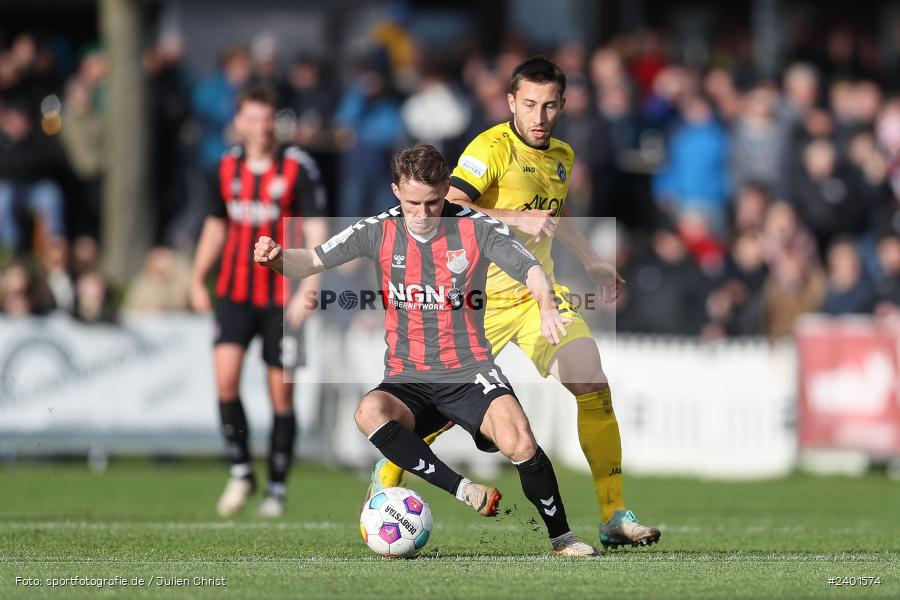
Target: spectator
[(887, 281), (783, 234), (801, 91), (648, 61), (169, 99), (696, 175), (849, 288), (396, 47), (83, 140), (371, 117), (842, 102), (22, 293), (267, 66), (719, 85), (16, 291), (702, 243), (736, 306), (794, 287), (665, 292), (162, 286), (870, 170), (85, 255), (795, 283), (887, 133), (30, 161), (93, 300), (214, 105), (313, 101), (55, 274), (435, 96), (750, 206), (759, 145), (576, 127), (827, 195)]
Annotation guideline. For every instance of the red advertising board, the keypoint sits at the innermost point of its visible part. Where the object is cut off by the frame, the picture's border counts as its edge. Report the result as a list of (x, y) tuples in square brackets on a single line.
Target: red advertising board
[(849, 394)]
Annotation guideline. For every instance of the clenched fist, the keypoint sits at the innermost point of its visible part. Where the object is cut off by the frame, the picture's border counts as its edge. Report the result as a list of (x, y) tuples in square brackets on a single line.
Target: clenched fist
[(267, 253)]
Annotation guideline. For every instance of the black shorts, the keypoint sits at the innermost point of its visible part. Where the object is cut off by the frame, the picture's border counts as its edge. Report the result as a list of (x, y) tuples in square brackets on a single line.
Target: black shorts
[(282, 346), (433, 404)]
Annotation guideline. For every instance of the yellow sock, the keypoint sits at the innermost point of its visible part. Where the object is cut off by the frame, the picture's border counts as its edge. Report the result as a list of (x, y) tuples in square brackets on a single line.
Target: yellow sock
[(598, 432), (391, 475)]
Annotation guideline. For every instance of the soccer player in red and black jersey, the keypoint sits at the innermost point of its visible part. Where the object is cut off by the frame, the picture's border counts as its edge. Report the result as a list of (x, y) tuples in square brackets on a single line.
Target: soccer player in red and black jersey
[(431, 259), (257, 186)]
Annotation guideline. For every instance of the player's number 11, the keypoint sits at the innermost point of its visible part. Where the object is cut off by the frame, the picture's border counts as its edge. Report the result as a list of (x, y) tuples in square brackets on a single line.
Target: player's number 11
[(488, 386)]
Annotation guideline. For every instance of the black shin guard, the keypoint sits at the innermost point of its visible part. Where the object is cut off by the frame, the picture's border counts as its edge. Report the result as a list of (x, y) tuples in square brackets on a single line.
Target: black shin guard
[(281, 447), (539, 485), (407, 450), (234, 428)]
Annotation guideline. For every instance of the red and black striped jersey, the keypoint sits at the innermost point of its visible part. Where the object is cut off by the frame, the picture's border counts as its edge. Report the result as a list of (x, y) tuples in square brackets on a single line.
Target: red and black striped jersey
[(433, 291), (256, 204)]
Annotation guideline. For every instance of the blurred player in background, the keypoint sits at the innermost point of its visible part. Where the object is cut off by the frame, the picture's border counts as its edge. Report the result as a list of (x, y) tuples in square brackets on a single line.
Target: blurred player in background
[(518, 173), (431, 258), (257, 185)]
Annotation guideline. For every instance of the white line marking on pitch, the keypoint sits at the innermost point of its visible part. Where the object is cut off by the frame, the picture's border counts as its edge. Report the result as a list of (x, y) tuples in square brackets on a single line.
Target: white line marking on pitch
[(634, 557), (351, 525)]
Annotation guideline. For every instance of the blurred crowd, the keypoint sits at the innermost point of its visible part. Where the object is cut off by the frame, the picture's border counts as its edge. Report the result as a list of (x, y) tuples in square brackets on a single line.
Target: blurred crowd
[(742, 201)]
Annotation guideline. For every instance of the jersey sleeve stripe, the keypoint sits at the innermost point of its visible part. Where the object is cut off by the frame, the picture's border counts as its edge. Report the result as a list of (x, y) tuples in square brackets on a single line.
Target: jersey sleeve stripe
[(467, 188)]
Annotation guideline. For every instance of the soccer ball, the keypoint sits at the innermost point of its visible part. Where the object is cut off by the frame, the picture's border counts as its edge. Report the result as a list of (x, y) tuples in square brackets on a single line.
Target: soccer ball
[(395, 522)]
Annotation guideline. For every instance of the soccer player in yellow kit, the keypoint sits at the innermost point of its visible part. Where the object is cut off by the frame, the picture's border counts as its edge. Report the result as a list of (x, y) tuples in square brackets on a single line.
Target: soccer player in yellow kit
[(518, 173)]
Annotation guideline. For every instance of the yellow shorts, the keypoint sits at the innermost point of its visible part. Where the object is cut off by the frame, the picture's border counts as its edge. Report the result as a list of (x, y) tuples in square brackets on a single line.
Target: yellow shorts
[(521, 325)]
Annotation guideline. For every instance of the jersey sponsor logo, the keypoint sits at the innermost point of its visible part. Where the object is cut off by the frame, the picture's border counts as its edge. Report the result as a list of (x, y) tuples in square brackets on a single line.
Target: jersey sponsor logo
[(416, 292), (415, 296), (253, 212), (542, 203), (457, 261), (561, 172), (527, 169), (473, 165)]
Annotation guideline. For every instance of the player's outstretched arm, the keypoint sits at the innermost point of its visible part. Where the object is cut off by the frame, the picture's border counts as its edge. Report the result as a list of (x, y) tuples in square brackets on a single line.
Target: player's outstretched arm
[(553, 324), (294, 263), (539, 223), (315, 232), (609, 282)]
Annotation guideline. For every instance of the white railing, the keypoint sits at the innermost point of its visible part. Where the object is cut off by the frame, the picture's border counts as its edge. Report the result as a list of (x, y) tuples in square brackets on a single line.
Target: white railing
[(720, 410)]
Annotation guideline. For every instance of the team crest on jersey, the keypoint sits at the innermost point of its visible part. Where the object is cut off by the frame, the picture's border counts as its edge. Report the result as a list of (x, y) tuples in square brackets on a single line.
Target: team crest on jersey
[(277, 187), (457, 261), (561, 172)]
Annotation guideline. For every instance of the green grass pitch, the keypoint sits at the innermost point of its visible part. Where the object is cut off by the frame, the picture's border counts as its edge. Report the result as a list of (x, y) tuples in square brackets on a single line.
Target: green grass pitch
[(138, 519)]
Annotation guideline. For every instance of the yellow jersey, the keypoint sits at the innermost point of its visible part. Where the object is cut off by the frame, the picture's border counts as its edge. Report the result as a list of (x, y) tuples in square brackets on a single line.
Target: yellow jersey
[(499, 170)]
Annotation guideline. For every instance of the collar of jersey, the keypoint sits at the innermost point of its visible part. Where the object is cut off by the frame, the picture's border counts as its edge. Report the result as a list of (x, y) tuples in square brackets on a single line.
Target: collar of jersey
[(521, 139), (447, 211)]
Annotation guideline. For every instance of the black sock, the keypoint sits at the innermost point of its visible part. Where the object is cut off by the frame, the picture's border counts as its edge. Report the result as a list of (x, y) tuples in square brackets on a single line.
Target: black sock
[(281, 450), (234, 428), (407, 450), (539, 485)]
